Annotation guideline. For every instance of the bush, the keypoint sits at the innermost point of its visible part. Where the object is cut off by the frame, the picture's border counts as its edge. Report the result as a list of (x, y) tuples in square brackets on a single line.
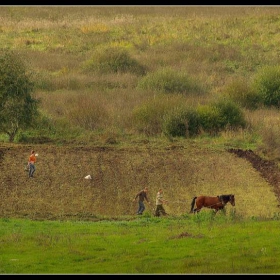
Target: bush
[(230, 114), (267, 84), (167, 80), (113, 60), (209, 119), (147, 118), (181, 123), (49, 130), (241, 92), (221, 115)]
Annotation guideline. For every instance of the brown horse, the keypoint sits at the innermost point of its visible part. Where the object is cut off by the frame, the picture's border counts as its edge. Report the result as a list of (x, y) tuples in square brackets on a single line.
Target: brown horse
[(214, 202)]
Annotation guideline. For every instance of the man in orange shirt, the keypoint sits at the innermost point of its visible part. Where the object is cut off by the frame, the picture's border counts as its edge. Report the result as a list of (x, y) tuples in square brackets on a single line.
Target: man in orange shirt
[(31, 164)]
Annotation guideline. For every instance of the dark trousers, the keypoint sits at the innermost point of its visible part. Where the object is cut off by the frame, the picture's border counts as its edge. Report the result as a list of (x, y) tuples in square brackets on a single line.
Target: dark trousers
[(160, 211)]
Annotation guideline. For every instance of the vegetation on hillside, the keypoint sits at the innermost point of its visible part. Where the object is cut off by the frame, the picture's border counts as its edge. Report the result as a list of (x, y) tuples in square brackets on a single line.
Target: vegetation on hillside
[(139, 96), (96, 69)]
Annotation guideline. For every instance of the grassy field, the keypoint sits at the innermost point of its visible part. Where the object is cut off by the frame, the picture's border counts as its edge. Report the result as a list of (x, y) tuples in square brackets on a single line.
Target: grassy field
[(198, 244), (98, 121)]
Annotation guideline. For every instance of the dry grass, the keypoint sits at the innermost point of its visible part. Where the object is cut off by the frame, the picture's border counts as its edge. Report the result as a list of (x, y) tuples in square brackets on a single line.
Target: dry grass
[(214, 45), (59, 190)]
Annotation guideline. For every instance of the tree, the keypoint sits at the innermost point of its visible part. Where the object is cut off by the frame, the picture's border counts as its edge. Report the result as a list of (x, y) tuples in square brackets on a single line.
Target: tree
[(18, 108)]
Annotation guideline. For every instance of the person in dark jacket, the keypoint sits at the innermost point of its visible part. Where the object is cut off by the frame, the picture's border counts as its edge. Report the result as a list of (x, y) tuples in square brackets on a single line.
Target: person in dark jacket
[(142, 195)]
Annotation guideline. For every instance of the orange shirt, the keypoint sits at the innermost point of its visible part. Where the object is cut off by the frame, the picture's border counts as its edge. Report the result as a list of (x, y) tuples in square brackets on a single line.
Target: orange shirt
[(32, 158)]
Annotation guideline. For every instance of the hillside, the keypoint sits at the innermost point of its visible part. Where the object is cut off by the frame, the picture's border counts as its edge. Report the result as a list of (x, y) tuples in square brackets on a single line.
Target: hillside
[(60, 191), (82, 101)]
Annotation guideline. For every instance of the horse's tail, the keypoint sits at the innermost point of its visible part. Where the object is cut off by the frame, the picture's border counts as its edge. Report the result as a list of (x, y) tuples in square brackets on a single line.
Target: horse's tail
[(192, 204)]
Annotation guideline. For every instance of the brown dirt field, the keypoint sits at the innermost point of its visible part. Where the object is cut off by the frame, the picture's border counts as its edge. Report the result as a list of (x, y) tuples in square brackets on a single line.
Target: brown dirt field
[(60, 191)]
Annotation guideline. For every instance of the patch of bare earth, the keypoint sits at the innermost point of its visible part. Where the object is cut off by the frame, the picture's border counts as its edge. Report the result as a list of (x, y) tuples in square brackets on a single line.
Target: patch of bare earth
[(267, 169)]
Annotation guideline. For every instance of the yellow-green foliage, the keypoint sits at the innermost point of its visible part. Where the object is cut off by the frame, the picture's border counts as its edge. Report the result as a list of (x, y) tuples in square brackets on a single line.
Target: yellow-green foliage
[(149, 117), (219, 115), (206, 48), (231, 115), (167, 80), (241, 92), (267, 84), (181, 122), (113, 60), (209, 118)]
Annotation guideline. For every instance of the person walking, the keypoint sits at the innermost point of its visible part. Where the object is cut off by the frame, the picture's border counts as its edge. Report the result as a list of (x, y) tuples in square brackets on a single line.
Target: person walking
[(159, 204), (31, 164), (142, 195)]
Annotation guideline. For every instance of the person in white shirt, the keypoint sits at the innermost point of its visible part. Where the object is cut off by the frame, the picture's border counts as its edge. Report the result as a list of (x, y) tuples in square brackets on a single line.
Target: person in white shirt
[(159, 204)]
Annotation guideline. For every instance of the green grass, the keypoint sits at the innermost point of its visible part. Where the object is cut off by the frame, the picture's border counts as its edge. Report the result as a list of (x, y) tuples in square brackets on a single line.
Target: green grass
[(145, 245)]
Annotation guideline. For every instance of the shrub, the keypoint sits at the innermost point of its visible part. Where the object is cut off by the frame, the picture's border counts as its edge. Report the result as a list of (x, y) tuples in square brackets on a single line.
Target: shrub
[(113, 60), (267, 84), (147, 118), (220, 115), (231, 115), (241, 92), (209, 118), (181, 122), (167, 80)]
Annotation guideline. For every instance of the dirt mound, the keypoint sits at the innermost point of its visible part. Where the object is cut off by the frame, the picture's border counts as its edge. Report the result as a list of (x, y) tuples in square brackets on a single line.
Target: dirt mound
[(267, 169)]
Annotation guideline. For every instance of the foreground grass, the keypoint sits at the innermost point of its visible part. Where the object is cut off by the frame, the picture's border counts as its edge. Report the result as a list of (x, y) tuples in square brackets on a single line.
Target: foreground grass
[(191, 244)]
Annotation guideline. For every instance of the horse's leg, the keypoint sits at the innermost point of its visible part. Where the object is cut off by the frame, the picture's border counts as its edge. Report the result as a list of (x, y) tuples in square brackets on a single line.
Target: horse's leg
[(195, 210), (199, 206)]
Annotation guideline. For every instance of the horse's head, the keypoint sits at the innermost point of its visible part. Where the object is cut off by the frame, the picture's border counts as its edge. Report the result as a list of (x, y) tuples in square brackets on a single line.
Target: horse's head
[(232, 199), (227, 198)]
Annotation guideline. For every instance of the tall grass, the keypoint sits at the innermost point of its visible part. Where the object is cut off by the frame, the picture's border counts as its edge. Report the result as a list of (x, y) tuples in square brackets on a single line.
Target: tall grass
[(207, 48)]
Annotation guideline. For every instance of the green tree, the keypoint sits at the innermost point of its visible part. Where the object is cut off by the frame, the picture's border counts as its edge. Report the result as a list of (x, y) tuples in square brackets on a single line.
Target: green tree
[(17, 107)]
